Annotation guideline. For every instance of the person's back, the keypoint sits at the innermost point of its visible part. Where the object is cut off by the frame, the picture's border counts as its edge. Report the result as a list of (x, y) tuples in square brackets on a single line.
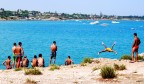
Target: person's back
[(40, 61), (25, 62), (53, 52), (68, 61), (7, 63), (14, 48), (137, 41), (53, 48), (18, 50), (34, 62)]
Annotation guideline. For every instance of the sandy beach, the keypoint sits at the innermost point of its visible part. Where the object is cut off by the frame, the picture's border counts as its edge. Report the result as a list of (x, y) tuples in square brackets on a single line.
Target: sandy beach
[(76, 74)]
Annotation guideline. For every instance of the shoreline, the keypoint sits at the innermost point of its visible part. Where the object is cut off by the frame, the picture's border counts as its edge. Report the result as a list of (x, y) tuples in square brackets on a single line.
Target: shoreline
[(67, 19)]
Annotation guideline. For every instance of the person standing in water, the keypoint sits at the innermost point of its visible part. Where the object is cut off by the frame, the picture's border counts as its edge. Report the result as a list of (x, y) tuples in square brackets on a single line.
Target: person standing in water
[(135, 48), (53, 52)]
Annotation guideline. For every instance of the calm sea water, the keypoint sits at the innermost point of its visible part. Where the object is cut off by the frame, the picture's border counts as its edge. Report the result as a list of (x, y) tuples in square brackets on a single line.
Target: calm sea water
[(78, 39)]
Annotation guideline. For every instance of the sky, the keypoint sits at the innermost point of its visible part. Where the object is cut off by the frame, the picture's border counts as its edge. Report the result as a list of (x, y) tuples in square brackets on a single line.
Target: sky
[(108, 7)]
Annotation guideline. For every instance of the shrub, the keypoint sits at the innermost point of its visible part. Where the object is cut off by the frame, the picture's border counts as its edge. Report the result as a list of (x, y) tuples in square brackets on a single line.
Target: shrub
[(33, 72), (119, 67), (83, 64), (126, 57), (140, 58), (122, 67), (29, 81), (54, 67), (18, 69), (107, 72), (87, 60), (116, 67)]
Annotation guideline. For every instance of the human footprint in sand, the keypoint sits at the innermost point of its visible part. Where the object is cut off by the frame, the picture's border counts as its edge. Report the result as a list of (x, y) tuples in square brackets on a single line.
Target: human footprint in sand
[(107, 49)]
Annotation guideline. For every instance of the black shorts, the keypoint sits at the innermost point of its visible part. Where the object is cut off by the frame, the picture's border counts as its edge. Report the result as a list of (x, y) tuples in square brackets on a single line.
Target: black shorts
[(53, 55)]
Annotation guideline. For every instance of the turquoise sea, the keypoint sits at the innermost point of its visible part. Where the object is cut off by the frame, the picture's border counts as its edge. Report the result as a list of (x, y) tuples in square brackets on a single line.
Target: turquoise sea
[(78, 39)]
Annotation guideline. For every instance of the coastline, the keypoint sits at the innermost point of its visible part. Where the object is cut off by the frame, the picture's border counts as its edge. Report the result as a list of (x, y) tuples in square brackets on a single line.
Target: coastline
[(77, 74)]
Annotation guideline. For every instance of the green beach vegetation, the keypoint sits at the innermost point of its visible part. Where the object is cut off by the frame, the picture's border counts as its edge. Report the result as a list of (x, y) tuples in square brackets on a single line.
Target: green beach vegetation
[(107, 72), (17, 69), (29, 81), (87, 60), (33, 72), (128, 57), (54, 67), (119, 67)]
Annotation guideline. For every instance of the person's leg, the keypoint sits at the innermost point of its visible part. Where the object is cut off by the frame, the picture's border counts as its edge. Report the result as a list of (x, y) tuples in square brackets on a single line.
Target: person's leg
[(102, 51), (18, 63), (50, 60), (114, 51), (136, 56), (54, 57), (51, 57), (54, 60), (133, 50), (104, 45), (113, 45)]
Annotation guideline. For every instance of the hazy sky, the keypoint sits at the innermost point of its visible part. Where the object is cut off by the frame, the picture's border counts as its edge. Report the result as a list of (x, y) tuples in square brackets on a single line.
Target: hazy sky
[(109, 7)]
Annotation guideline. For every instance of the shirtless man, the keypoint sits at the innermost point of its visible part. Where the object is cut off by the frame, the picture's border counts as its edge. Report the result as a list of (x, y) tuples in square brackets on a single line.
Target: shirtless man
[(135, 47), (68, 61), (53, 52), (7, 63), (40, 61), (25, 62), (18, 51), (14, 56), (34, 61)]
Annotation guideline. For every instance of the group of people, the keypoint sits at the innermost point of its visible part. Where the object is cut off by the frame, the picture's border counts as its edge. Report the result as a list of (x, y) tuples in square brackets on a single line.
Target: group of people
[(19, 60), (18, 53)]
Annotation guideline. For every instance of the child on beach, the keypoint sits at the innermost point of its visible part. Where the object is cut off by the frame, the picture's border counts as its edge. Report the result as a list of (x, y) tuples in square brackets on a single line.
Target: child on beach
[(68, 61), (7, 63)]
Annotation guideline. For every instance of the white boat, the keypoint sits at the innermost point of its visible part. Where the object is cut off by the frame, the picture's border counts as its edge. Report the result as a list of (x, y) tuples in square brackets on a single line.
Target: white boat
[(95, 22), (115, 22)]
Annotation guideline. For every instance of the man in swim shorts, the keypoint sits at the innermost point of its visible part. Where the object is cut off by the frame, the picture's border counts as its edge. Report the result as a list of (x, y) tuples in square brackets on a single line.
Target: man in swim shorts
[(7, 63), (18, 51), (14, 56), (108, 49), (53, 52), (135, 47)]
